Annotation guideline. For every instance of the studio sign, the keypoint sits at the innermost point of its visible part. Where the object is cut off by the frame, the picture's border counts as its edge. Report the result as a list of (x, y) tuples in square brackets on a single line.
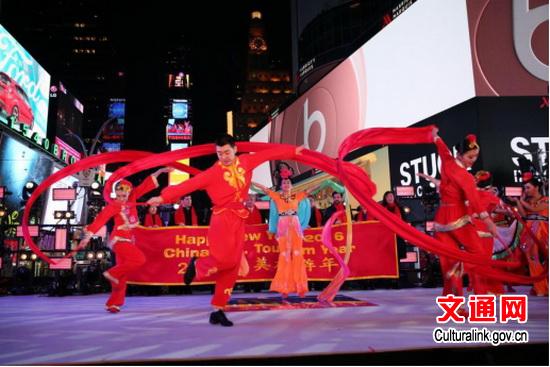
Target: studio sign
[(44, 143)]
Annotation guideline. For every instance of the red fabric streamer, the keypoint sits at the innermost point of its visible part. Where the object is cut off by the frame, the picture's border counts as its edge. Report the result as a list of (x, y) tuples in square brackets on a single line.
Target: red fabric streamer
[(328, 294)]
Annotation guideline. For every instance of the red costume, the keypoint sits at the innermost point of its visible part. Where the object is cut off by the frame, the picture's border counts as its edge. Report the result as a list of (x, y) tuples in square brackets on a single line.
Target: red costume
[(227, 187), (179, 217), (394, 209), (453, 225), (255, 217), (361, 216), (128, 257), (489, 201), (152, 220)]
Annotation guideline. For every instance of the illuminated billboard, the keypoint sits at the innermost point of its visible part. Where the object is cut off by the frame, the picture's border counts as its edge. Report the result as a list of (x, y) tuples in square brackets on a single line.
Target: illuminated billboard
[(66, 114), (114, 132), (414, 69), (24, 86), (20, 164), (180, 109), (179, 80), (179, 130)]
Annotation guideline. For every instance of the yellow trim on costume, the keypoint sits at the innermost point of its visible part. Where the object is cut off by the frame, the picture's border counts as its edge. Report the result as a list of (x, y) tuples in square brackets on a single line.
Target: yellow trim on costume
[(484, 234), (460, 222), (234, 176)]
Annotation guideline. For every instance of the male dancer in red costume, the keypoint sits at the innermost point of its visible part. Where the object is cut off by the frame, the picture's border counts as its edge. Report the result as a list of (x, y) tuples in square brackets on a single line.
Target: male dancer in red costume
[(128, 257), (227, 183)]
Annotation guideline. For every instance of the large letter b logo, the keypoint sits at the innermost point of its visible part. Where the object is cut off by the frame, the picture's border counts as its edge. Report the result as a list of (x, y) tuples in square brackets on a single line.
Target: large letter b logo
[(525, 22), (309, 121)]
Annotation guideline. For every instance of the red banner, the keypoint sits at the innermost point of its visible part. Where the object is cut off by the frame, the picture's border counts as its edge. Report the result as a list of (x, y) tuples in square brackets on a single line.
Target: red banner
[(168, 250)]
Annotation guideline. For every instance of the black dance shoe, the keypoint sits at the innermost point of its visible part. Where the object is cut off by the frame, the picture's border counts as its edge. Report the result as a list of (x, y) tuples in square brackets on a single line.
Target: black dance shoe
[(219, 317)]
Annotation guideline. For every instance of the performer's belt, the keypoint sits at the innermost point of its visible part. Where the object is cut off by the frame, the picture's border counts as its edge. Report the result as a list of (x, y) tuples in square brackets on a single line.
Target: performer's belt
[(236, 207), (484, 234), (460, 222), (287, 213), (116, 239)]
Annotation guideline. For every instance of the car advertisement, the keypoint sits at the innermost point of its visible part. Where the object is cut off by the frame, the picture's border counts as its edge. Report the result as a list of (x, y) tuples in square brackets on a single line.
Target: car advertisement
[(24, 86)]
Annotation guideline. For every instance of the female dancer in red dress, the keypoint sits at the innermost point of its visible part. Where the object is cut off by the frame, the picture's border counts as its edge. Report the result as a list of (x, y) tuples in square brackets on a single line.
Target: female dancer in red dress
[(128, 257), (453, 225)]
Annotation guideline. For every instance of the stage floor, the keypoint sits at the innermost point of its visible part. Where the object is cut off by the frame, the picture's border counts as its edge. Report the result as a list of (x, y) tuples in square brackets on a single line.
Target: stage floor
[(175, 329)]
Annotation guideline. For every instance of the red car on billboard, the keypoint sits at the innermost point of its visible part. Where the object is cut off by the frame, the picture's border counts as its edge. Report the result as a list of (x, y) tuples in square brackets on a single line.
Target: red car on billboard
[(14, 100)]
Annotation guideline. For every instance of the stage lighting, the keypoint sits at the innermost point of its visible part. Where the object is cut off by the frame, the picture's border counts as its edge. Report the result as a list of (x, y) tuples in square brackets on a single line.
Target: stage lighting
[(90, 255), (100, 255), (30, 185), (95, 185), (176, 206), (2, 212), (33, 257), (406, 209), (23, 257), (64, 214)]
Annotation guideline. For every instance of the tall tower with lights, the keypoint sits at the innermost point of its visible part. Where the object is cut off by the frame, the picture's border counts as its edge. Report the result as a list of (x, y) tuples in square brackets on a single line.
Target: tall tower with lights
[(266, 84)]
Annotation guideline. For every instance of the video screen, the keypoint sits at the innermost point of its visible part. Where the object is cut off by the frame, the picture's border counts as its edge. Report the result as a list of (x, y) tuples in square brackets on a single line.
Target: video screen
[(15, 172), (114, 131), (111, 147), (24, 86), (69, 113), (116, 109), (180, 80), (178, 130), (180, 109)]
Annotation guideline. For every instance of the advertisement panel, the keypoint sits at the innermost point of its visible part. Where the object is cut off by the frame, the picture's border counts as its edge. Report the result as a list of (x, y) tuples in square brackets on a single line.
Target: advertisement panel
[(66, 114), (24, 86), (19, 165), (520, 29), (179, 127), (506, 127), (415, 68), (180, 109), (401, 76), (179, 130), (179, 80), (114, 132)]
